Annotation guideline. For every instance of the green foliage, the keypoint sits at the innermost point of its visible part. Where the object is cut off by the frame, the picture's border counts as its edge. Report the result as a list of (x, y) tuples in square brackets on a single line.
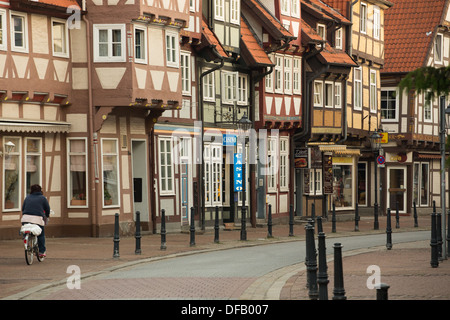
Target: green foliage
[(434, 82)]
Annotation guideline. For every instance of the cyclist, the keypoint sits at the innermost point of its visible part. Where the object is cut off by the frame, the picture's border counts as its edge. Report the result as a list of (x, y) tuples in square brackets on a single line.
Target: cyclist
[(36, 210)]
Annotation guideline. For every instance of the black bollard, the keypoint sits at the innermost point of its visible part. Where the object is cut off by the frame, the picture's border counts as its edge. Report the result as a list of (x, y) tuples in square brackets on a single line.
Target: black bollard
[(313, 214), (192, 228), (216, 226), (116, 236), (338, 291), (388, 230), (333, 219), (356, 217), (243, 225), (382, 291), (291, 220), (397, 217), (322, 276), (163, 229), (311, 262), (269, 222), (319, 225), (439, 235), (376, 225), (433, 243), (416, 224), (138, 233)]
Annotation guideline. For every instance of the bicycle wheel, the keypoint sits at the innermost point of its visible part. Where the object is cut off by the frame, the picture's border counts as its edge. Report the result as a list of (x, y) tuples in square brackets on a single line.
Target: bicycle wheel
[(29, 249)]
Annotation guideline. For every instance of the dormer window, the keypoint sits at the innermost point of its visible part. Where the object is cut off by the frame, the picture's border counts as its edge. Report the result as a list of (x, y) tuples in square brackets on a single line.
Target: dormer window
[(219, 10), (338, 39), (438, 48), (322, 31), (234, 11)]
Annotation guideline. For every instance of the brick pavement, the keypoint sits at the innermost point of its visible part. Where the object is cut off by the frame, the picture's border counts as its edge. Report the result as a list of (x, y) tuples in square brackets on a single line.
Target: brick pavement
[(406, 270)]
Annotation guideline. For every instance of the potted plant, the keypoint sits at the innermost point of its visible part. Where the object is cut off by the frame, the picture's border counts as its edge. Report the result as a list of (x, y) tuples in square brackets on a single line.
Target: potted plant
[(107, 197), (78, 200)]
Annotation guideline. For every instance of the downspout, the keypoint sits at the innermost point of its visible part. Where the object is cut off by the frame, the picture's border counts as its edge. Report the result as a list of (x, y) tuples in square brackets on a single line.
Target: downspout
[(201, 165)]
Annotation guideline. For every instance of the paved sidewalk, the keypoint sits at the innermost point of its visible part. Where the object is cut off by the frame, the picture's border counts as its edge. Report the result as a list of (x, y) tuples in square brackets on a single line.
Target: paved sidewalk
[(406, 268)]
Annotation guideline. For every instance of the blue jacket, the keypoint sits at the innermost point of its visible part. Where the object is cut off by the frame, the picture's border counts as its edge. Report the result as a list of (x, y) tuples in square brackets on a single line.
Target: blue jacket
[(36, 204)]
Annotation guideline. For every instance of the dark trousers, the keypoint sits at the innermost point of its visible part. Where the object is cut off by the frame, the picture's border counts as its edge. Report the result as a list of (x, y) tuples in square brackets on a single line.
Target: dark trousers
[(40, 238)]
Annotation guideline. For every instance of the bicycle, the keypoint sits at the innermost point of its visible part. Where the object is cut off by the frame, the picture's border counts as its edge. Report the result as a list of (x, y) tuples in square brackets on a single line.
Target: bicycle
[(30, 233)]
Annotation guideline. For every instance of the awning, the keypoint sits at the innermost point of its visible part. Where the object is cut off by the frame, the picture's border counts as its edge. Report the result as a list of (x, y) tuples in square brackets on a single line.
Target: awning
[(339, 149), (18, 125), (424, 156)]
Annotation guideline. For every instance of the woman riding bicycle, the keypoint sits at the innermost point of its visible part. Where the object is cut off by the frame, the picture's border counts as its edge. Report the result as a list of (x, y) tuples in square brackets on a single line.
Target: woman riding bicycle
[(36, 210)]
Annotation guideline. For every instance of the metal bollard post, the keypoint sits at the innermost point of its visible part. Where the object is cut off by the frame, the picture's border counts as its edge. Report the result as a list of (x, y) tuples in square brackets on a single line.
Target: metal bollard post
[(388, 230), (311, 262), (382, 291), (433, 243), (163, 229), (138, 233), (356, 217), (269, 222), (322, 276), (216, 226), (376, 225), (416, 224), (439, 235), (333, 219), (192, 228), (397, 217), (116, 236), (291, 220), (313, 214), (338, 291), (319, 225), (243, 225)]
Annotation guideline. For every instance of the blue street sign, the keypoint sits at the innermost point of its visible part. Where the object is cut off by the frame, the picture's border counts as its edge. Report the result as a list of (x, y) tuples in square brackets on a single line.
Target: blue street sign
[(238, 172), (228, 140)]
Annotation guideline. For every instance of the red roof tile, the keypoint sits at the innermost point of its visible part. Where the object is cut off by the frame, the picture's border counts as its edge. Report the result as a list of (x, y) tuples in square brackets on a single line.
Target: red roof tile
[(309, 34), (406, 25), (336, 57), (325, 9), (254, 49), (61, 3), (211, 38)]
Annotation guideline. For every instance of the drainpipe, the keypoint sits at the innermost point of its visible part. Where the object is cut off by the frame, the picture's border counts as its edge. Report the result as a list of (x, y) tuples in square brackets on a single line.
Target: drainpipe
[(201, 165)]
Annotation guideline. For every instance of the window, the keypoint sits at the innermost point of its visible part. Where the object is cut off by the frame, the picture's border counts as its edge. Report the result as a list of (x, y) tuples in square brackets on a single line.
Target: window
[(208, 87), (284, 164), (272, 164), (33, 166), (172, 49), (376, 22), (219, 6), (185, 73), (427, 109), (321, 31), (140, 44), (357, 87), (192, 5), (438, 48), (338, 35), (362, 183), (2, 29), (363, 18), (19, 36), (165, 166), (229, 85), (242, 89), (337, 94), (318, 94), (278, 74), (234, 11), (295, 8), (389, 103), (213, 174), (59, 38), (109, 43), (342, 184), (285, 7), (110, 168), (315, 182), (421, 183), (288, 75), (77, 173), (269, 82), (296, 76), (12, 175), (329, 97), (373, 91)]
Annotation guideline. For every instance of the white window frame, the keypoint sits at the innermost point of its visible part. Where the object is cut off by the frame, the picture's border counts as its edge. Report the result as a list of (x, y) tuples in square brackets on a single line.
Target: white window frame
[(65, 40), (337, 95), (18, 153), (318, 95), (219, 10), (117, 154), (315, 182), (357, 88), (109, 57), (287, 75), (363, 18), (376, 22), (438, 44), (3, 30), (192, 5), (172, 53), (167, 167), (284, 164), (208, 83), (185, 66), (269, 79), (229, 87), (37, 154), (285, 7), (143, 45), (373, 91), (24, 16), (426, 105), (69, 154), (322, 31), (388, 89), (338, 38), (295, 8), (213, 168), (297, 76), (420, 182), (242, 98), (272, 163), (328, 94), (278, 77), (235, 11)]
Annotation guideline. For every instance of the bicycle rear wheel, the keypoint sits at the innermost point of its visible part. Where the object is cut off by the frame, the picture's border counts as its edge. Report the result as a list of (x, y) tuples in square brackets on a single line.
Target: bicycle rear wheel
[(29, 254)]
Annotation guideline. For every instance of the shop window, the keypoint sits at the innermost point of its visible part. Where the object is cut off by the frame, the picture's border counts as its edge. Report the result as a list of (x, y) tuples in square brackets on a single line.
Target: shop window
[(11, 175), (110, 168), (343, 185), (362, 184), (77, 173), (165, 166), (213, 174), (421, 183)]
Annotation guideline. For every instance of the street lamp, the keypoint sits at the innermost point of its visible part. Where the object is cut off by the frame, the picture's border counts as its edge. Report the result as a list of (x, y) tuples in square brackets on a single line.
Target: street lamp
[(244, 124), (375, 140)]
